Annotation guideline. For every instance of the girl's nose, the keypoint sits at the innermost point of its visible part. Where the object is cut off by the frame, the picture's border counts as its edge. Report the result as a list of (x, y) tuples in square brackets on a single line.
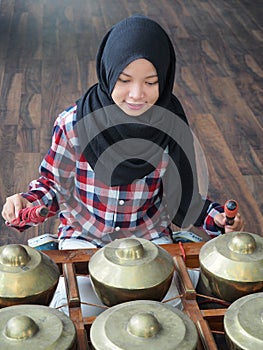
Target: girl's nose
[(136, 91)]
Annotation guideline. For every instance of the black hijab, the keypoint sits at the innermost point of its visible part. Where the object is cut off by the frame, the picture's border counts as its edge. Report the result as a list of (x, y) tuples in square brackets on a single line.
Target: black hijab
[(103, 125), (133, 38)]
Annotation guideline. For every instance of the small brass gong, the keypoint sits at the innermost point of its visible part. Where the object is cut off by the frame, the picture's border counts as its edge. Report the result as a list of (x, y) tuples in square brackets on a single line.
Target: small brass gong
[(27, 276), (243, 323), (232, 265), (31, 327), (130, 269), (143, 324)]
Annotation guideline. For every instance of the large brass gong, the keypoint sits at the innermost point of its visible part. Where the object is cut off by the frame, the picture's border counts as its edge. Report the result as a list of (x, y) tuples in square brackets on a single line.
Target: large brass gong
[(243, 323), (232, 265), (130, 269), (35, 327), (27, 276), (143, 324)]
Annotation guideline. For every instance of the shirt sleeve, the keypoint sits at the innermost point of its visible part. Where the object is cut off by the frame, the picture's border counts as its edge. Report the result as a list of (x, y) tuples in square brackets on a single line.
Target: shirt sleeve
[(209, 224), (57, 170)]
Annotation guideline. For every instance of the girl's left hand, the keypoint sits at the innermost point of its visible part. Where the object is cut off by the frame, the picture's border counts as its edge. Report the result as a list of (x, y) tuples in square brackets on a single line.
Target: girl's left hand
[(238, 225)]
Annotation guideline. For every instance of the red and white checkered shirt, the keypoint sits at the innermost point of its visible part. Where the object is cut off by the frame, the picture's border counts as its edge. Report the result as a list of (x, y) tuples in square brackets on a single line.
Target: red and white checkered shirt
[(88, 209)]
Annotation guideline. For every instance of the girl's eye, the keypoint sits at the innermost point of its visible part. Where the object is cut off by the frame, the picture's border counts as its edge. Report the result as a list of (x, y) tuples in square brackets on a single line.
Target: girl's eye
[(152, 83), (124, 80)]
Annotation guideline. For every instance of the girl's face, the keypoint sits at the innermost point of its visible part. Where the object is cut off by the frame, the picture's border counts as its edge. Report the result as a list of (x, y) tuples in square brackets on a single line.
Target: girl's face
[(137, 88)]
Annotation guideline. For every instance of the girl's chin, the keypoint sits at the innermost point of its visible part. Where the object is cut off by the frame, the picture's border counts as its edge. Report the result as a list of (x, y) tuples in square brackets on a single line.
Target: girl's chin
[(134, 110)]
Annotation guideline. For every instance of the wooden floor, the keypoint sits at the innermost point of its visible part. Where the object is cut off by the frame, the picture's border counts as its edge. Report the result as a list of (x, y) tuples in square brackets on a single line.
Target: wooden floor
[(47, 55)]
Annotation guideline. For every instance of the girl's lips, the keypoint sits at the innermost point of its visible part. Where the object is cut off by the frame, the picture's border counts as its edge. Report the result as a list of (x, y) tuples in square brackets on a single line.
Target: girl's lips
[(135, 106)]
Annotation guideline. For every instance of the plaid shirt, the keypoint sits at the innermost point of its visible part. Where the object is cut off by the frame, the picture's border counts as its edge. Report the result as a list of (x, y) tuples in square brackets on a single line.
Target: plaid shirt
[(89, 209)]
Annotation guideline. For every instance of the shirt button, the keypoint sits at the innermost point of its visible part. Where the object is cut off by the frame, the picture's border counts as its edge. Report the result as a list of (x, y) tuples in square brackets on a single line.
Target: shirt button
[(121, 202), (117, 228)]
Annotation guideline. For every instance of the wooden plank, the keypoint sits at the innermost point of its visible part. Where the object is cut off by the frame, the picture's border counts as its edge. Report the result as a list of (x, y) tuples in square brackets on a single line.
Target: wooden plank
[(71, 285), (24, 161), (206, 340), (237, 123), (226, 178), (255, 184), (14, 100), (186, 285), (215, 318), (82, 255), (251, 87)]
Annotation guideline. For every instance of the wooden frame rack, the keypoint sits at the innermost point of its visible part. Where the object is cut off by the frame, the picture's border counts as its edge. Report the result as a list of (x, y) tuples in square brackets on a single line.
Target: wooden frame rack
[(207, 321)]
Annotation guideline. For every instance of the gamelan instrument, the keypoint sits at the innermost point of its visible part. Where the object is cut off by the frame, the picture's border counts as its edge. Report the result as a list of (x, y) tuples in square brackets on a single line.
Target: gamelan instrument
[(32, 327), (130, 269), (27, 276), (232, 265), (208, 321), (243, 323), (143, 324)]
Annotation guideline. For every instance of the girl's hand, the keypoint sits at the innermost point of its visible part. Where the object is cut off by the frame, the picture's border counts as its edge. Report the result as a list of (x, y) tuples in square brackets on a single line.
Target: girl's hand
[(238, 224), (12, 206)]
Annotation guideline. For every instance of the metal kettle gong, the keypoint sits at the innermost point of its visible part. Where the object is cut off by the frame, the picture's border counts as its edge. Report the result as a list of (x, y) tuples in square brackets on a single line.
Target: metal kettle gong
[(130, 269), (232, 265), (243, 323), (27, 276), (33, 327), (143, 324)]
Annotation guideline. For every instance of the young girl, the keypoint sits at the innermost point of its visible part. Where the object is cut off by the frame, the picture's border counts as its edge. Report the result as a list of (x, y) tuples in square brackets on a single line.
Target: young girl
[(122, 159)]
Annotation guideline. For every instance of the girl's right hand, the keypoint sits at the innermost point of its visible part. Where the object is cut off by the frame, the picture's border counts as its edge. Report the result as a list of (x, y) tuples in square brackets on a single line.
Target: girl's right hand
[(12, 206)]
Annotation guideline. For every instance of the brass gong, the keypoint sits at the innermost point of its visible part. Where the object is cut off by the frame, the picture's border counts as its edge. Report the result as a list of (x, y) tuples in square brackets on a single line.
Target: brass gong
[(143, 324), (130, 269), (243, 323), (232, 265), (27, 276), (31, 327)]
